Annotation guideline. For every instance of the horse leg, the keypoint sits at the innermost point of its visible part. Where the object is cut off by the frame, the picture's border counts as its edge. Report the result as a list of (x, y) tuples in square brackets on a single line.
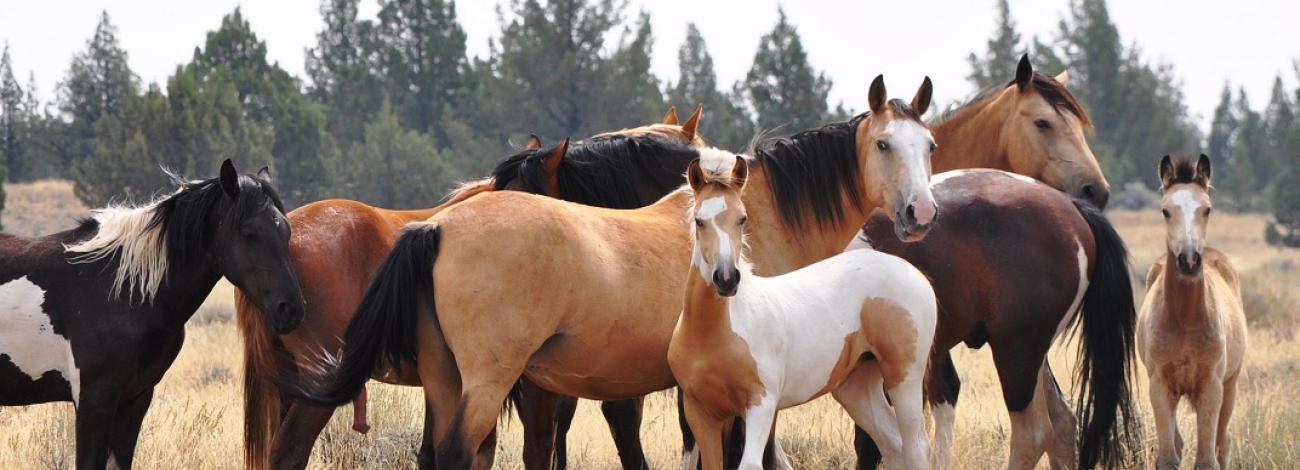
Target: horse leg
[(624, 418), (1164, 408), (1018, 372), (96, 410), (126, 429), (944, 388), (1225, 440), (486, 381), (907, 397), (1209, 404), (537, 413), (708, 434), (862, 395), (303, 423), (758, 426), (425, 458), (690, 452), (565, 408), (1061, 450), (774, 457)]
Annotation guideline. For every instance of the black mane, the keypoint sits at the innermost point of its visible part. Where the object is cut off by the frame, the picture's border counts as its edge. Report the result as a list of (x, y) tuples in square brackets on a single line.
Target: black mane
[(615, 171), (813, 172)]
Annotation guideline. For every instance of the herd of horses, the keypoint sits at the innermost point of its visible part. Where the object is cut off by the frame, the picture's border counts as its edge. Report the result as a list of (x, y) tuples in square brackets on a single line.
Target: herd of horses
[(847, 259)]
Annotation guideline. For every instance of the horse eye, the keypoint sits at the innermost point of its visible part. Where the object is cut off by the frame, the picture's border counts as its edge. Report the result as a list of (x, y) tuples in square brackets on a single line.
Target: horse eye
[(1042, 124), (1165, 212), (744, 220), (933, 147), (882, 145), (699, 223), (1208, 210)]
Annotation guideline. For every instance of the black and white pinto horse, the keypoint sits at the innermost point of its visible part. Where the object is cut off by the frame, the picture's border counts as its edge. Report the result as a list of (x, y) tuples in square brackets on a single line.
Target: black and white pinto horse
[(95, 315)]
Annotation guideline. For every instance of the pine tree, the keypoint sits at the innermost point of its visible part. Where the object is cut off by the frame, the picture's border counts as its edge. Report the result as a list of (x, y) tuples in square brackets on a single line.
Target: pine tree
[(1223, 134), (1279, 128), (422, 52), (343, 71), (1240, 173), (725, 124), (630, 93), (304, 155), (1003, 51), (11, 115), (781, 87), (396, 167), (98, 84)]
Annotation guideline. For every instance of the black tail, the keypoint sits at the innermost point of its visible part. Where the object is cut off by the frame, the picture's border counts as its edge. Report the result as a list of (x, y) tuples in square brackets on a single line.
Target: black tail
[(383, 331), (1105, 370)]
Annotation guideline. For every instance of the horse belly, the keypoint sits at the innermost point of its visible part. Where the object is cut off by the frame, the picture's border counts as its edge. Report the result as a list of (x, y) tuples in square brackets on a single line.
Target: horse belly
[(36, 364), (615, 371)]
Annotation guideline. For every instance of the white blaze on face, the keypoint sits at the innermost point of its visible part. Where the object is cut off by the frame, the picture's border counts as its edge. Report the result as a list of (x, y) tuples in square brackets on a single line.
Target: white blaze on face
[(910, 142), (28, 338), (708, 212), (1185, 201)]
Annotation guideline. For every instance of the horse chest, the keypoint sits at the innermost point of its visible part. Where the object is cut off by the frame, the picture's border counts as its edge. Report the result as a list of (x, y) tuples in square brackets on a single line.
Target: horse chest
[(36, 363), (1188, 359)]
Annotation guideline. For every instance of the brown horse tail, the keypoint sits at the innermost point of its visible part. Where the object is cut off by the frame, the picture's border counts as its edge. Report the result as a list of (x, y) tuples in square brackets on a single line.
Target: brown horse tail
[(1107, 321), (261, 395), (383, 334)]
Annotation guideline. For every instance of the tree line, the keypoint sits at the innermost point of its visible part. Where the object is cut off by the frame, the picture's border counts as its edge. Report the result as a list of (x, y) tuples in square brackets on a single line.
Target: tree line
[(392, 110)]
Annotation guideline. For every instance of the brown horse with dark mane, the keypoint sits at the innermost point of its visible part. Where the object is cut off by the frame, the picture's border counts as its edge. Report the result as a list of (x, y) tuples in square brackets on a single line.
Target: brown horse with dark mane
[(338, 244)]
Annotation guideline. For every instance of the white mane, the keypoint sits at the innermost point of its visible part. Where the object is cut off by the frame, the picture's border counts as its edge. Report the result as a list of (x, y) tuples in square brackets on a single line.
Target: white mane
[(141, 250)]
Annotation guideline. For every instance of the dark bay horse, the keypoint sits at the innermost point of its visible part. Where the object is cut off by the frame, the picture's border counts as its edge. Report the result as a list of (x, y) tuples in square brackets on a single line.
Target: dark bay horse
[(96, 315), (339, 244)]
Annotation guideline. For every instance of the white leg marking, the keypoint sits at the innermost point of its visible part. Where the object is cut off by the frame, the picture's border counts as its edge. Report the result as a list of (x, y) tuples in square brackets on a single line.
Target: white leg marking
[(28, 338), (758, 424), (944, 416), (691, 458)]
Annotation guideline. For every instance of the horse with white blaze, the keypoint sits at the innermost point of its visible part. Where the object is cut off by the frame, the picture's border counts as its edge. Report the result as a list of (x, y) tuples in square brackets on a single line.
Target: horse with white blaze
[(858, 325)]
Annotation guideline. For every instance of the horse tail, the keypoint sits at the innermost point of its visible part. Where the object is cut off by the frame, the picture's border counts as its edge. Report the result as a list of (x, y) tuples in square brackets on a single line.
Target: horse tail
[(1107, 321), (261, 395), (383, 334)]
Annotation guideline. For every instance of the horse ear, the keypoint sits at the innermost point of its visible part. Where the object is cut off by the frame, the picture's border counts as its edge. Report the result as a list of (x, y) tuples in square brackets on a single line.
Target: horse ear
[(692, 123), (670, 117), (921, 102), (1166, 171), (876, 96), (533, 142), (264, 174), (229, 178), (739, 173), (1063, 77), (1203, 169), (1024, 72), (552, 165), (695, 175)]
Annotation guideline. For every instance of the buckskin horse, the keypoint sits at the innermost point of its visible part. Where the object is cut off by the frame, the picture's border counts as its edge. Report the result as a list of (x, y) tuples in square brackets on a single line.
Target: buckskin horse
[(339, 244), (857, 325), (1192, 326), (96, 315), (495, 260)]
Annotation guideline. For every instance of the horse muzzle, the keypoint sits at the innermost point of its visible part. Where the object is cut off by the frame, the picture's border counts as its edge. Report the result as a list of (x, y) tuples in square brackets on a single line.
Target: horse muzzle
[(1189, 263), (726, 282), (287, 316), (913, 222)]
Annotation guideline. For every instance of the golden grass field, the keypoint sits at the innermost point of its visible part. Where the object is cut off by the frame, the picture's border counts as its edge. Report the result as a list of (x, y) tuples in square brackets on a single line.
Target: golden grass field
[(196, 416)]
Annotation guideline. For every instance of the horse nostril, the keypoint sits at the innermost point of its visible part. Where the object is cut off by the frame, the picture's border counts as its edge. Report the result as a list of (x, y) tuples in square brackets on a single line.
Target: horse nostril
[(1095, 194), (1196, 258), (910, 214)]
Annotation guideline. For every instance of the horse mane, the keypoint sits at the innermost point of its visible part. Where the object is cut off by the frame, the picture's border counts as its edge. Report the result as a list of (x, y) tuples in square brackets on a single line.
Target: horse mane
[(1184, 171), (146, 240), (604, 170), (1051, 90), (814, 171)]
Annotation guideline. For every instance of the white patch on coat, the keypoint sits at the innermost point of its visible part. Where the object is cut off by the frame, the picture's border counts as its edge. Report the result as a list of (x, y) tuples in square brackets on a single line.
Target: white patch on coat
[(28, 338), (940, 178), (1082, 257), (140, 250), (944, 416)]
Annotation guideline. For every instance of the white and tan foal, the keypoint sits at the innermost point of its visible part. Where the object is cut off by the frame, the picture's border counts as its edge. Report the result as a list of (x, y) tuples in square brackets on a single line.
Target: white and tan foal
[(747, 346), (1192, 328)]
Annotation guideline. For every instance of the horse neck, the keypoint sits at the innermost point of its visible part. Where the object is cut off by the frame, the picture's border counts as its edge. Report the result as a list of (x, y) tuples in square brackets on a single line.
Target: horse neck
[(1184, 297), (964, 138), (186, 287), (777, 248), (705, 314)]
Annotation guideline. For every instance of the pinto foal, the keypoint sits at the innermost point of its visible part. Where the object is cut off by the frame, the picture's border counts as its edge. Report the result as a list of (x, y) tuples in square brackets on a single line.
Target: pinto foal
[(1192, 328), (747, 346)]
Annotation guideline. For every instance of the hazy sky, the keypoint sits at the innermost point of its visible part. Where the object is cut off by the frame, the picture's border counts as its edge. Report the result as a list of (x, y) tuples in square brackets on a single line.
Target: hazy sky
[(1207, 43)]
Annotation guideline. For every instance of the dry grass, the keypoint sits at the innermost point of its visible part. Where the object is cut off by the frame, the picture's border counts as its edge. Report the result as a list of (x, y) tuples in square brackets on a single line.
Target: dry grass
[(41, 207), (195, 421)]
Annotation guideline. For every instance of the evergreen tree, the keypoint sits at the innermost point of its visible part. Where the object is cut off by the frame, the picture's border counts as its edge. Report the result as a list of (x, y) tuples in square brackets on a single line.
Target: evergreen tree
[(1279, 128), (395, 167), (1223, 134), (11, 114), (44, 137), (781, 87), (725, 124), (343, 71), (1240, 174), (1003, 51), (98, 84), (630, 90), (422, 53), (304, 155)]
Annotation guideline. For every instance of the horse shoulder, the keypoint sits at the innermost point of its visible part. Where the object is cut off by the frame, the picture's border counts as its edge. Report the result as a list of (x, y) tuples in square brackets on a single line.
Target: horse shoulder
[(1218, 261), (1157, 268)]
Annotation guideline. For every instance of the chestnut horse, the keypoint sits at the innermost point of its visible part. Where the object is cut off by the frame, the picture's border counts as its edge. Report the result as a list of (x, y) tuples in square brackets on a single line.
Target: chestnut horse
[(1192, 326), (337, 245), (583, 300), (1035, 127), (857, 325)]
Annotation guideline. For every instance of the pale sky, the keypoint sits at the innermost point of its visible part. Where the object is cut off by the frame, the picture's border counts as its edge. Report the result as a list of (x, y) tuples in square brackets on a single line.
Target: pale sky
[(852, 41)]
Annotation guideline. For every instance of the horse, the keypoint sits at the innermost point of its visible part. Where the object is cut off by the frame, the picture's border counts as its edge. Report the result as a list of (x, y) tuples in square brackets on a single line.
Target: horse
[(339, 244), (998, 295), (583, 300), (95, 315), (1192, 326), (853, 325)]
